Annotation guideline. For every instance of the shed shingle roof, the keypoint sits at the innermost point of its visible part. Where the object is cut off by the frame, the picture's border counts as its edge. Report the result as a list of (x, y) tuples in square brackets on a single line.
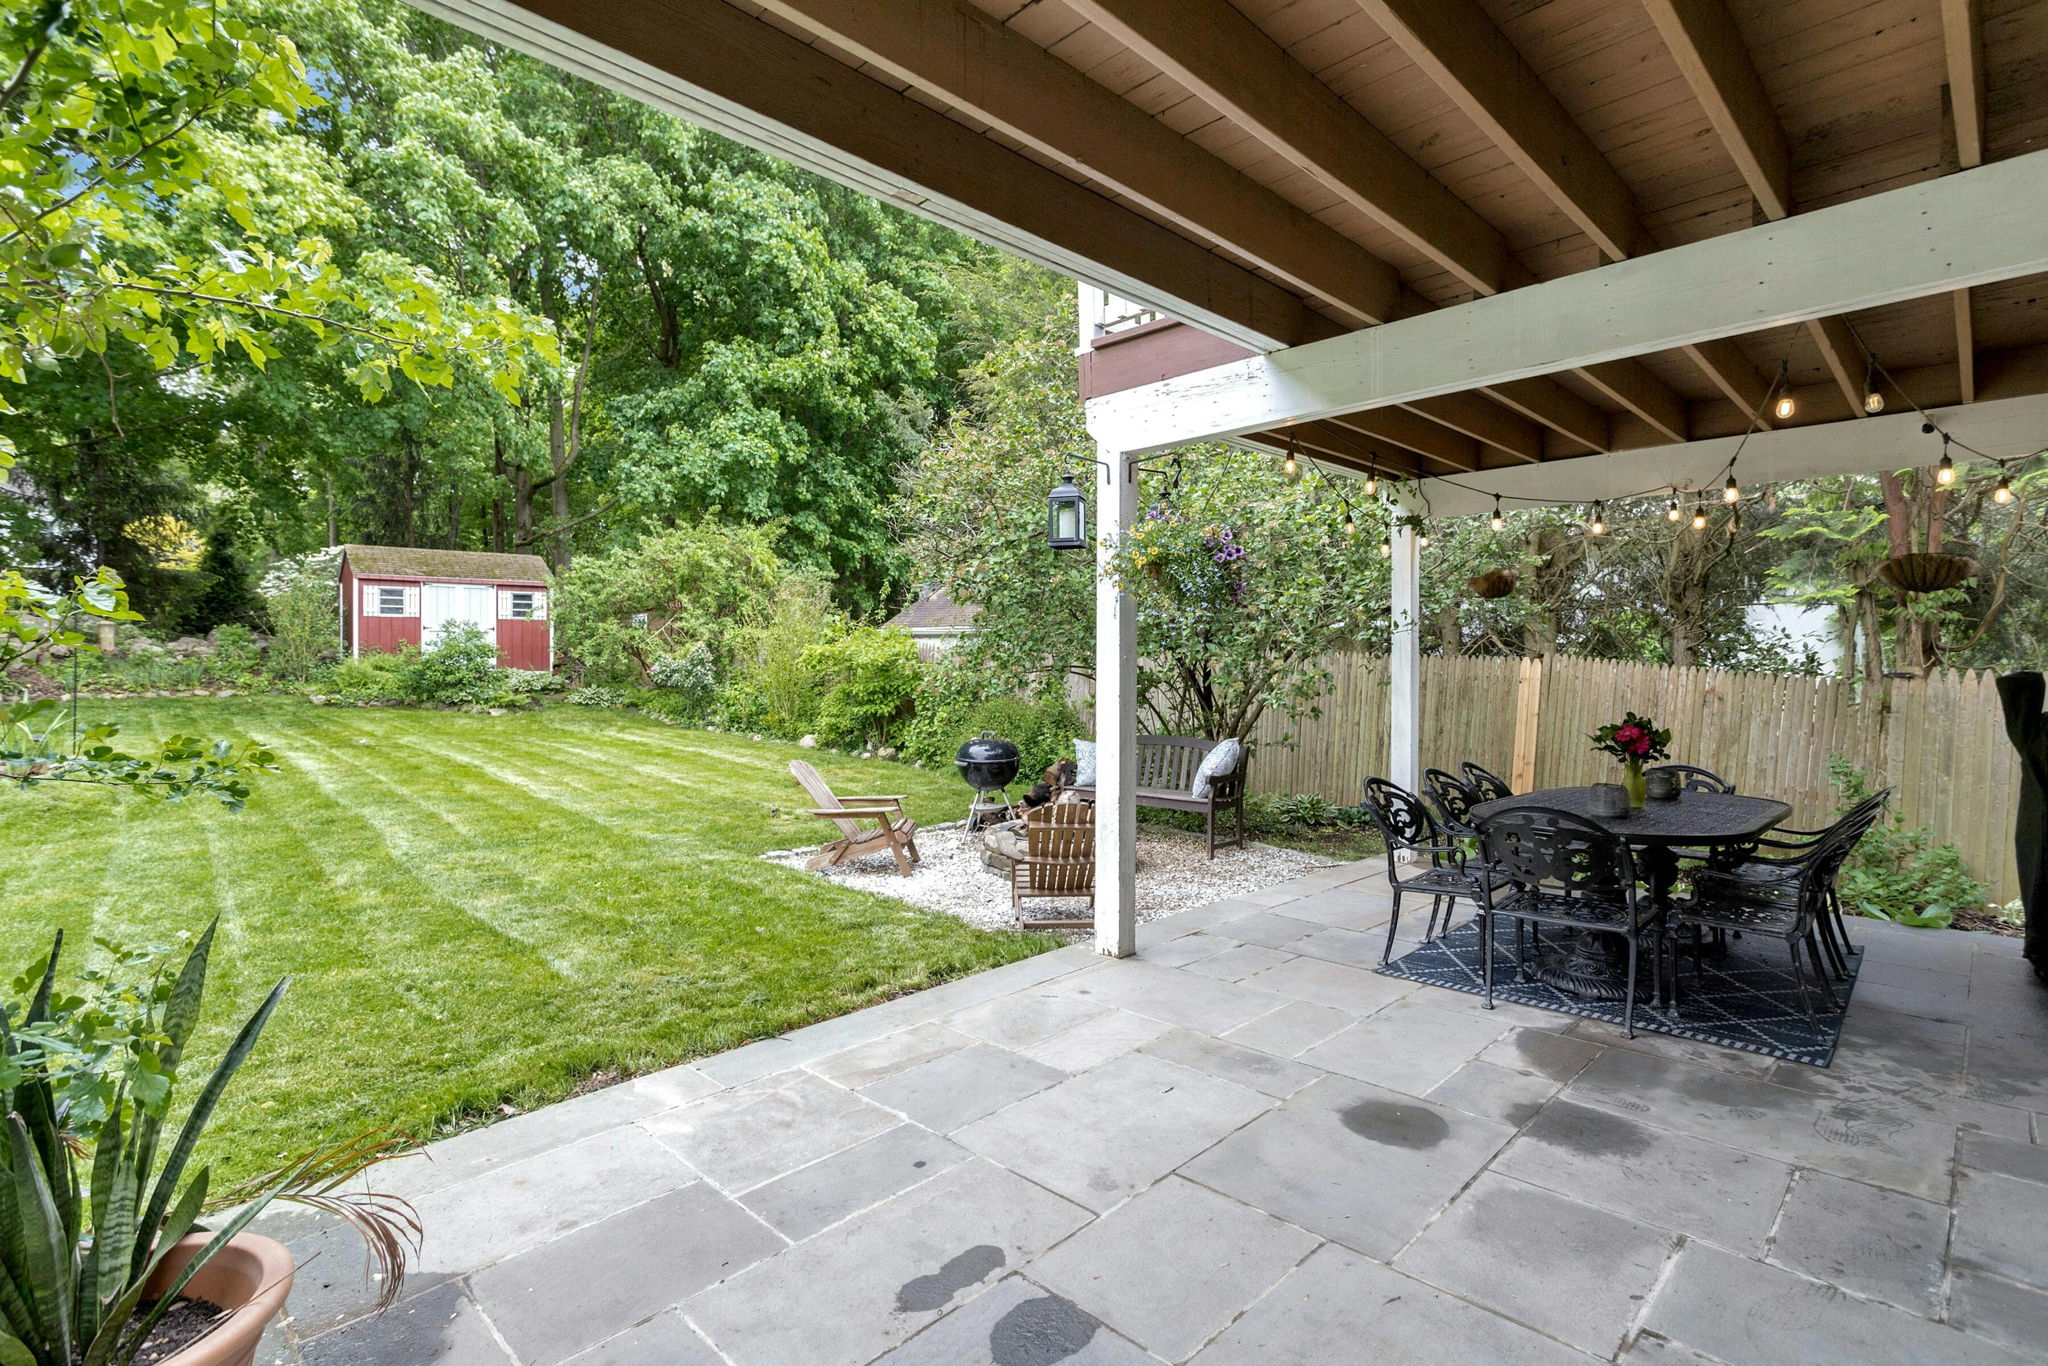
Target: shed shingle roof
[(936, 611), (414, 563)]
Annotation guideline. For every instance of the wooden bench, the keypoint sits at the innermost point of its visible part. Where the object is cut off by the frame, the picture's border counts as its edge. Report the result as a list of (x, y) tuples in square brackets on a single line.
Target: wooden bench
[(1166, 782)]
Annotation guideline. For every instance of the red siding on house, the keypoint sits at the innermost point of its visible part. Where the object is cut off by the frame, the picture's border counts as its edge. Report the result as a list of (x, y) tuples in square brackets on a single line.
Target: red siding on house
[(524, 644), (382, 635)]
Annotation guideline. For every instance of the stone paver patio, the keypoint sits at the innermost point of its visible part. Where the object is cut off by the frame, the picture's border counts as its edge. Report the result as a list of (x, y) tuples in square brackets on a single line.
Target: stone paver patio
[(1244, 1146)]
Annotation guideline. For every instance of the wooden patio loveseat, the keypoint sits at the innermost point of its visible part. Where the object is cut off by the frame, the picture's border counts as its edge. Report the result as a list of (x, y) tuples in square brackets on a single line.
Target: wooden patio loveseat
[(1166, 782)]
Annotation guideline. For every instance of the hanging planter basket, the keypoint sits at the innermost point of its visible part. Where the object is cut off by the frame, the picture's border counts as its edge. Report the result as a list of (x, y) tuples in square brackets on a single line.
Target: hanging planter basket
[(1927, 573), (1494, 583)]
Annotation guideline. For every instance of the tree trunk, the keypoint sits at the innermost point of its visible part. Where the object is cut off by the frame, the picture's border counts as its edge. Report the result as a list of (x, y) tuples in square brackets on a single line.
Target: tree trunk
[(333, 520)]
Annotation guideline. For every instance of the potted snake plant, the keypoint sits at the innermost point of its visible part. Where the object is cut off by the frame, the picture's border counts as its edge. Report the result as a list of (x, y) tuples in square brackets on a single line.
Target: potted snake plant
[(104, 1243)]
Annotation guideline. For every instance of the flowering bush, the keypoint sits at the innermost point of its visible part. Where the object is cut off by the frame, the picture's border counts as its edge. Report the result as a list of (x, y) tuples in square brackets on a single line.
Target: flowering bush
[(1632, 738)]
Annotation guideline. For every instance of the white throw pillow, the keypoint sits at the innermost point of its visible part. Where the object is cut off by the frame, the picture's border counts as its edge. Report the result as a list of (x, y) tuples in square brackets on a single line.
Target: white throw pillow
[(1218, 762), (1084, 763)]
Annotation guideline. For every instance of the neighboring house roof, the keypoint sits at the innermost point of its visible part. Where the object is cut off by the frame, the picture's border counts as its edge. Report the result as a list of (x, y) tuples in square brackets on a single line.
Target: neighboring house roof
[(414, 563), (935, 613)]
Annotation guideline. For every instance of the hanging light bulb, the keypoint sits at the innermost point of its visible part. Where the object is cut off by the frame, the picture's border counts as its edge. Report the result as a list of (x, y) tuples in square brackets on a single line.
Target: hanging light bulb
[(1421, 536), (1699, 516), (2003, 493), (1598, 526), (1386, 546), (1784, 407), (1372, 478), (1350, 526), (1945, 472), (1873, 401), (1731, 492), (1291, 466), (1497, 521), (1671, 512)]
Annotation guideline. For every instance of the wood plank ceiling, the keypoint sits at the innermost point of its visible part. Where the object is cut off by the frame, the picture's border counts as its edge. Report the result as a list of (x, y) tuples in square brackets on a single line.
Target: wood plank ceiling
[(1378, 158)]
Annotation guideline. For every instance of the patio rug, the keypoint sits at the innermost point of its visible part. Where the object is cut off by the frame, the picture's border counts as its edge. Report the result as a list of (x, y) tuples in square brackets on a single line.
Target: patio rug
[(1747, 998)]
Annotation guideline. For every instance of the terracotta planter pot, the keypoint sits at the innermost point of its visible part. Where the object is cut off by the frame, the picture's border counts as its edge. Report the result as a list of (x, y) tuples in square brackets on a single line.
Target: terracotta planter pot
[(250, 1276)]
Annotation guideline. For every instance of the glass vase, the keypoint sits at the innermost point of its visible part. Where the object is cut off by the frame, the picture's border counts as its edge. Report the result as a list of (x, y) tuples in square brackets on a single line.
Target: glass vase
[(1632, 779)]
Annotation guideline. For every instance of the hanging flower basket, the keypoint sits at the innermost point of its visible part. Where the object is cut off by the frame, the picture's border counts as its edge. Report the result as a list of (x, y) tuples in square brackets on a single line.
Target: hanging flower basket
[(1927, 573), (1494, 583)]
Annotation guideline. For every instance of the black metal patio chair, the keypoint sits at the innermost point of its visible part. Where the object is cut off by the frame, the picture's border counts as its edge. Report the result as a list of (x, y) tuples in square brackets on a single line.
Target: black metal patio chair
[(1408, 827), (1789, 902), (1489, 785), (1453, 799), (1775, 860), (1569, 873)]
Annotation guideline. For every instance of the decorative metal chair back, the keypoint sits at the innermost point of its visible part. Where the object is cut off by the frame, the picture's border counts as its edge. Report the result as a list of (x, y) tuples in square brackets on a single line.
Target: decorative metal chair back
[(1454, 800), (1832, 850), (1545, 850), (1489, 785), (1693, 778), (1059, 849), (1859, 817), (1404, 822)]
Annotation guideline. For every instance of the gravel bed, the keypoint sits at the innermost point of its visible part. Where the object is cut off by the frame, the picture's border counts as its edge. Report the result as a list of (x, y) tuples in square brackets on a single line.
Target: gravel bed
[(1174, 874)]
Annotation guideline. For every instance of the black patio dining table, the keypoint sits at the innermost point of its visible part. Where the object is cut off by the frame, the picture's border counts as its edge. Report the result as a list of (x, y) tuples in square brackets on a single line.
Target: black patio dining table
[(1654, 830)]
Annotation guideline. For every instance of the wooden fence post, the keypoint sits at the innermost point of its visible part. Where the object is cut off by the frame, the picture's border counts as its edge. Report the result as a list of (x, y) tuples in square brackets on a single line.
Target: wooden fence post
[(1528, 714)]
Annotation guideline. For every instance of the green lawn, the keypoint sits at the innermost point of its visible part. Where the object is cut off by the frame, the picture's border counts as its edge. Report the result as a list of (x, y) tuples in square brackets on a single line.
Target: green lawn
[(477, 910)]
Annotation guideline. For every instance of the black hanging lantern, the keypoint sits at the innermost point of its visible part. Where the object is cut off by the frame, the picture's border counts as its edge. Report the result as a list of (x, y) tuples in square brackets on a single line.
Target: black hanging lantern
[(1066, 518)]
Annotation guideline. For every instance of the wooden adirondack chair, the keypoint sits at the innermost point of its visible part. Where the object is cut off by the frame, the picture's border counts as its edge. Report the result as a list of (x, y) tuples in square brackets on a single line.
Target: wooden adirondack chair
[(1058, 862), (892, 830)]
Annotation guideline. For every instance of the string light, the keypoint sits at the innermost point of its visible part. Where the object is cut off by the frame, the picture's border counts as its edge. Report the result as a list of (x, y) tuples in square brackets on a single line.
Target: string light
[(1372, 478), (2003, 493), (1671, 512), (1731, 492), (1598, 526), (1497, 521), (1873, 401), (1699, 516), (1945, 472), (1350, 526), (1386, 547), (1421, 538), (1785, 407), (1291, 466)]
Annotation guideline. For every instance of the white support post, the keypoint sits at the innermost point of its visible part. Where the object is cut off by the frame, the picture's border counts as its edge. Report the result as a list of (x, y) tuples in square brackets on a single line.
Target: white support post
[(1116, 717), (1404, 666)]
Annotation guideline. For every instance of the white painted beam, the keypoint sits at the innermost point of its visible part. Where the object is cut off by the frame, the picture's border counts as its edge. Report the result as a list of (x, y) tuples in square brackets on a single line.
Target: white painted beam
[(1999, 427), (1975, 227), (1404, 662), (1116, 716)]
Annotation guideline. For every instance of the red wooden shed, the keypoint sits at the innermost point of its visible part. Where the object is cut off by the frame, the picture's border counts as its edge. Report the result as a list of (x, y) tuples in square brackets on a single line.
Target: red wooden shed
[(395, 595)]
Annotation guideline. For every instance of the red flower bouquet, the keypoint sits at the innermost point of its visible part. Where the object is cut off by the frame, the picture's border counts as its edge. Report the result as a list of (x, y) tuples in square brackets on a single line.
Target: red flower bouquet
[(1634, 740)]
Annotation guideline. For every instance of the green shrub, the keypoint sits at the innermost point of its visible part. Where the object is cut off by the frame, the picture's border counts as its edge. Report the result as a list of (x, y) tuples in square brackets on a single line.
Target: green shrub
[(304, 627), (598, 695), (459, 669), (773, 684), (869, 677), (953, 706), (665, 705), (368, 678), (688, 683), (618, 612), (528, 682), (1907, 876)]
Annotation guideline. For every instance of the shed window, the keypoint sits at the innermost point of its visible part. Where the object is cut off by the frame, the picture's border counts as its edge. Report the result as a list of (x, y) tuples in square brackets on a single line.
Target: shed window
[(522, 605), (386, 600)]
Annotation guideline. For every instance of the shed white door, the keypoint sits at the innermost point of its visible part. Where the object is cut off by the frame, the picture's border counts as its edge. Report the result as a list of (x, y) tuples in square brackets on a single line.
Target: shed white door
[(445, 603)]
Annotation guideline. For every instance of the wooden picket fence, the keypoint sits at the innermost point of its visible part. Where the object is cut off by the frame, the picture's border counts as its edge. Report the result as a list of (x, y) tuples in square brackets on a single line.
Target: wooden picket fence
[(1941, 741)]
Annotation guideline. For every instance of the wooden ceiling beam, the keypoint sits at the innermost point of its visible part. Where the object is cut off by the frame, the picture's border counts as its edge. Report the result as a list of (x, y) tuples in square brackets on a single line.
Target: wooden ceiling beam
[(1845, 358), (1962, 41), (1216, 53), (1722, 362), (962, 54), (1475, 415), (1398, 427), (1703, 39), (1640, 392), (742, 77), (1456, 44), (1559, 409)]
